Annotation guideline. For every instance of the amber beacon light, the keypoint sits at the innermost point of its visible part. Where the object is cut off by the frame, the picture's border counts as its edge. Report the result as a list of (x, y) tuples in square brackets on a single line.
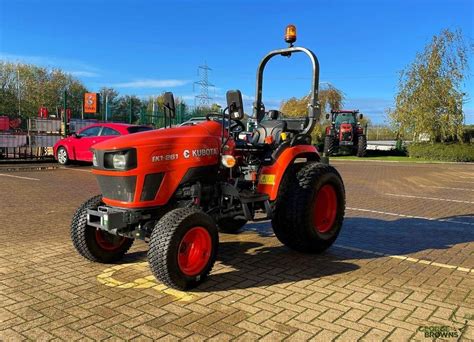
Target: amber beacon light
[(290, 34)]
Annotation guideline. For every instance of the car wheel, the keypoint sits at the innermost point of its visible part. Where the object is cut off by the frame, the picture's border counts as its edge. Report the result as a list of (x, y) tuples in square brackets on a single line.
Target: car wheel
[(62, 156)]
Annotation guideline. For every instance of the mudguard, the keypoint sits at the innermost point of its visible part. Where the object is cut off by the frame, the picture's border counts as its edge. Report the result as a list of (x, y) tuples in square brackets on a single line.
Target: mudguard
[(271, 176)]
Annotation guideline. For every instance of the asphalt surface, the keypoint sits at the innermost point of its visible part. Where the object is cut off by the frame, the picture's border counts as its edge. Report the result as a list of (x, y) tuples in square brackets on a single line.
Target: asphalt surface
[(402, 268)]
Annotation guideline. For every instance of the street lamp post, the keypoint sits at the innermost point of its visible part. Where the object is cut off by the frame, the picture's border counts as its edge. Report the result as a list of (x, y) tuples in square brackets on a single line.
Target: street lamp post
[(65, 112), (18, 87)]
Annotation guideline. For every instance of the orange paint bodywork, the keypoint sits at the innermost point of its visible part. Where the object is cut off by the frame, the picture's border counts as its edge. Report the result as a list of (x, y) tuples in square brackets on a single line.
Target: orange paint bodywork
[(168, 151), (171, 152), (279, 167)]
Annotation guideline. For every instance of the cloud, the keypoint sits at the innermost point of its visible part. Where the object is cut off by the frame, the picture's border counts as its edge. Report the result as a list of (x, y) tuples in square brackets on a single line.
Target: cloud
[(151, 83), (79, 68), (83, 73)]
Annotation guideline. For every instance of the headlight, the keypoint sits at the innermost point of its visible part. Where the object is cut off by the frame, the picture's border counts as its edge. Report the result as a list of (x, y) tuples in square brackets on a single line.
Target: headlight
[(228, 160), (119, 161), (94, 160)]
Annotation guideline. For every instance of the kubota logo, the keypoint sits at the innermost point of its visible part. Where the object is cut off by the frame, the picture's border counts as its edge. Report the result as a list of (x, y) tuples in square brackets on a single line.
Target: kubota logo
[(186, 154), (205, 152)]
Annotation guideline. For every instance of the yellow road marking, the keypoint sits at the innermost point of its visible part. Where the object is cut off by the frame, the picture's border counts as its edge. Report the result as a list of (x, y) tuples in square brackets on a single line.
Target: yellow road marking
[(430, 198), (444, 187), (107, 278), (410, 216), (410, 259)]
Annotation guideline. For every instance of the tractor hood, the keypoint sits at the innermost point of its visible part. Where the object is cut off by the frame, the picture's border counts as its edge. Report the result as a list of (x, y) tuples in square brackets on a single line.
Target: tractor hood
[(166, 156), (170, 136)]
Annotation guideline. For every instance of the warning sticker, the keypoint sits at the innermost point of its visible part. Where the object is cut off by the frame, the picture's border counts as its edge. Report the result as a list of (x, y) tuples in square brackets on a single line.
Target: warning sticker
[(267, 179)]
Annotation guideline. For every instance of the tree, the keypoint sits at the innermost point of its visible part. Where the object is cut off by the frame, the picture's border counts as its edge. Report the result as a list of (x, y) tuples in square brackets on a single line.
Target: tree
[(215, 108), (37, 86), (330, 98), (112, 97), (429, 99), (122, 111)]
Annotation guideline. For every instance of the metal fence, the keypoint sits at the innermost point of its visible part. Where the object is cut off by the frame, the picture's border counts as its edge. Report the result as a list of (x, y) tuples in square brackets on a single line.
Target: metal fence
[(78, 124), (36, 141), (52, 126)]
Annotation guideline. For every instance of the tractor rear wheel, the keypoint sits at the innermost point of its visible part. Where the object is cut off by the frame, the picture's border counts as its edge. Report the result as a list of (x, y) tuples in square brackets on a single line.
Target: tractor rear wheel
[(231, 225), (93, 243), (183, 248), (361, 146), (281, 220), (329, 145), (312, 217)]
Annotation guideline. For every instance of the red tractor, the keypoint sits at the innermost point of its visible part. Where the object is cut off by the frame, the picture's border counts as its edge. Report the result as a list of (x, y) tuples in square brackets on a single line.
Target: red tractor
[(175, 188), (346, 132)]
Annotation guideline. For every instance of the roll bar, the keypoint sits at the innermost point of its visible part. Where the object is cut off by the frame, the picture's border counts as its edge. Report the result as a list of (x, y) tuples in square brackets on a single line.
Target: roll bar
[(314, 110)]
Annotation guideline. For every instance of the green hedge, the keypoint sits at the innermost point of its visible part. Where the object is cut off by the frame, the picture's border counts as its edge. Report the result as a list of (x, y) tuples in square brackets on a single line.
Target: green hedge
[(442, 152)]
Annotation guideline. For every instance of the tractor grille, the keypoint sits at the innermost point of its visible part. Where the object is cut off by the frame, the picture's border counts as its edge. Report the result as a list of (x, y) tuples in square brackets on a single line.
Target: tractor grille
[(347, 136), (150, 186), (118, 188)]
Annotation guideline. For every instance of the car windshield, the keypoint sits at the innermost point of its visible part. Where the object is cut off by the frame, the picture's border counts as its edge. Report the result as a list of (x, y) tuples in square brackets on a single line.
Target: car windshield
[(137, 129), (345, 118)]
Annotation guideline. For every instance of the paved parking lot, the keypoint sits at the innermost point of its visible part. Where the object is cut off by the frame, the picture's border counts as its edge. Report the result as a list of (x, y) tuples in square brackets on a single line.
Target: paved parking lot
[(403, 268)]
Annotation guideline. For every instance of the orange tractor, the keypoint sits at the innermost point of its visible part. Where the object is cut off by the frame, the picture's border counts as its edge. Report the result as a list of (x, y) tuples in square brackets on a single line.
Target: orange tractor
[(176, 188)]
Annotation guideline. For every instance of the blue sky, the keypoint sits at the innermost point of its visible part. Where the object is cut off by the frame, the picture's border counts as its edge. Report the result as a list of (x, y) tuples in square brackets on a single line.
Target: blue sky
[(147, 47)]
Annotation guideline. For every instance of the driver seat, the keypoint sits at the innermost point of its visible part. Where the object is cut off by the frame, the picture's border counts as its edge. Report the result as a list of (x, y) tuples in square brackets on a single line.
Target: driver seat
[(271, 127)]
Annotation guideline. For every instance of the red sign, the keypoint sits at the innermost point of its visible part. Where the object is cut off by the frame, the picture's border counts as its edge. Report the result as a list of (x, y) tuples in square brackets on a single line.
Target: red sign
[(68, 113), (43, 113), (91, 103)]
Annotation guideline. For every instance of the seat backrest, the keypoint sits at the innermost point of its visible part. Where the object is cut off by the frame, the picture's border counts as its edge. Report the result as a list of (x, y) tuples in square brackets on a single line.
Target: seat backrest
[(269, 128)]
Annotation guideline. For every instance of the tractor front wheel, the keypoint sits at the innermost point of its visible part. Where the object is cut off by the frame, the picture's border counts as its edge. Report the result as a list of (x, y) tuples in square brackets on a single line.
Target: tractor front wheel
[(183, 248), (314, 209), (93, 243)]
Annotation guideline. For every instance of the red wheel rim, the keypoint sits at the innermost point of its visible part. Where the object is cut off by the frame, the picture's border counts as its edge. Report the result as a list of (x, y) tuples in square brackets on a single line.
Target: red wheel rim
[(325, 209), (194, 251), (107, 241)]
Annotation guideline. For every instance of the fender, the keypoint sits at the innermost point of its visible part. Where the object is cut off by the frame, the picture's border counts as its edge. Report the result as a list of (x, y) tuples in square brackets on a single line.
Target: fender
[(70, 152), (271, 176)]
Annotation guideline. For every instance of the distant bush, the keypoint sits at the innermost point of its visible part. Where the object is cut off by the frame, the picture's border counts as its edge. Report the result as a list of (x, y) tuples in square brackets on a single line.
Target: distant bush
[(468, 134), (443, 152)]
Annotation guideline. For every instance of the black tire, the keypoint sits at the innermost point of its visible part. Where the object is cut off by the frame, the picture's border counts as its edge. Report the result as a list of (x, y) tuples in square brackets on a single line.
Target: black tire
[(361, 146), (329, 145), (166, 247), (62, 156), (281, 220), (93, 243), (231, 225), (295, 222)]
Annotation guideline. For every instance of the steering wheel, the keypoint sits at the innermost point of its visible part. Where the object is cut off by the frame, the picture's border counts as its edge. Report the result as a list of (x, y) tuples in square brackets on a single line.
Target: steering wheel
[(234, 124)]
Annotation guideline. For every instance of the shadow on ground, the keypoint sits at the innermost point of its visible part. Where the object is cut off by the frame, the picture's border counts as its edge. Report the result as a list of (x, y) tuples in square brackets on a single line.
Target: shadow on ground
[(246, 264), (401, 236), (256, 265)]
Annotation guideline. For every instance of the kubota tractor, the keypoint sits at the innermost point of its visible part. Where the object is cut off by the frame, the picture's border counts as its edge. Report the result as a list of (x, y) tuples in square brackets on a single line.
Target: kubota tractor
[(346, 132), (175, 188)]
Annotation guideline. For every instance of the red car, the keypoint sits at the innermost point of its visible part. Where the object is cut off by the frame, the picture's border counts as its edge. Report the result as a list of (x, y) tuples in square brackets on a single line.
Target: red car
[(78, 145)]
